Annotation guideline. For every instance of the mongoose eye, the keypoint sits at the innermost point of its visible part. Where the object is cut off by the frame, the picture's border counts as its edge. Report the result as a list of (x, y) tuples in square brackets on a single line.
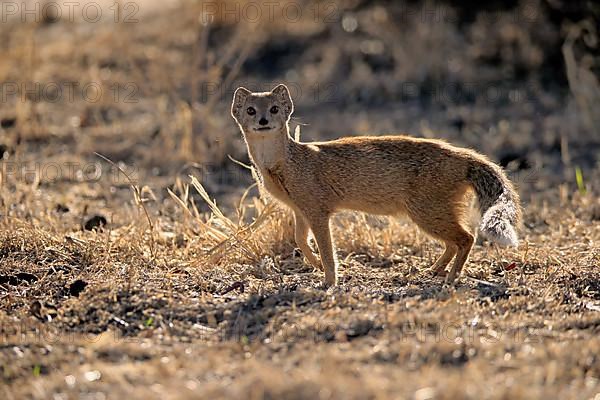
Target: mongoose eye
[(251, 111), (274, 110)]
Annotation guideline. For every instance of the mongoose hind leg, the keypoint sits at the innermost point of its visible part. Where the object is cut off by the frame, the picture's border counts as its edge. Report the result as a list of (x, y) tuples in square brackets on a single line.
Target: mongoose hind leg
[(439, 268), (464, 240), (301, 237), (445, 224)]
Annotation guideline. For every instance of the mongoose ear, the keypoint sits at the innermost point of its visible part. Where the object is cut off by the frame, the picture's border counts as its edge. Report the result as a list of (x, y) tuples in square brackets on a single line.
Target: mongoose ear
[(239, 98), (283, 95)]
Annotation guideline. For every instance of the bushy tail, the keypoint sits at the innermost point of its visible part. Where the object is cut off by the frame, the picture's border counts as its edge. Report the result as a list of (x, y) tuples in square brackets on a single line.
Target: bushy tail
[(498, 202)]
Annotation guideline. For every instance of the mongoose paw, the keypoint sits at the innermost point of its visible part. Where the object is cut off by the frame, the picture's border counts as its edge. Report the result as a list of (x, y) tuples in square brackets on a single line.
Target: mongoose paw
[(315, 262), (328, 283), (310, 259), (450, 280), (441, 273)]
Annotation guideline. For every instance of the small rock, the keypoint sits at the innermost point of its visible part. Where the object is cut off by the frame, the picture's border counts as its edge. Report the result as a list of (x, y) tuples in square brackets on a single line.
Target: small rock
[(17, 279), (44, 312), (97, 222), (6, 123), (77, 287), (60, 208), (3, 150)]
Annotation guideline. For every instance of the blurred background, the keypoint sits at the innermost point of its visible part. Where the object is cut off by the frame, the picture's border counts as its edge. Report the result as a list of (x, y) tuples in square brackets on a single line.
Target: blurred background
[(169, 301), (148, 84)]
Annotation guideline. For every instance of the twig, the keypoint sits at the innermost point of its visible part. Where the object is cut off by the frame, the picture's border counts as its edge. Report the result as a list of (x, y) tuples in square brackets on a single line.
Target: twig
[(137, 195)]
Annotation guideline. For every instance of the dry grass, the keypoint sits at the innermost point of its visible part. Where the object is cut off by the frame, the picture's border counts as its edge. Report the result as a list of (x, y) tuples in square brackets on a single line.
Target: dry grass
[(203, 304), (180, 295)]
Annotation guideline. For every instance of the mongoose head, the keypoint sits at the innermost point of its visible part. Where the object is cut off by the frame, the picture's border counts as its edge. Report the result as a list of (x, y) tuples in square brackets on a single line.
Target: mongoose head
[(263, 113)]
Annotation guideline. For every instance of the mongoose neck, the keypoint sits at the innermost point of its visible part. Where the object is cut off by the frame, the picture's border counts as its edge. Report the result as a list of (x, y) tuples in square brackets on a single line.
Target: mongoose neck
[(269, 149)]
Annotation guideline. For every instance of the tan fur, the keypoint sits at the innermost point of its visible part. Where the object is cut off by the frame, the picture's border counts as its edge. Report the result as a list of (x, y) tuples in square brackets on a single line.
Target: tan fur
[(428, 180)]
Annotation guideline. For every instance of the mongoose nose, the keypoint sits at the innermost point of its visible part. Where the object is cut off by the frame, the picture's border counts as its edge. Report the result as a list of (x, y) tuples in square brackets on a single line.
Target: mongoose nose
[(263, 121)]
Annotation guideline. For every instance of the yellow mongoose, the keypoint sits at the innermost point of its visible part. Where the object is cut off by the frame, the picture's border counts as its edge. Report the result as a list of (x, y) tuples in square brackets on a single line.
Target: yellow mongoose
[(428, 180)]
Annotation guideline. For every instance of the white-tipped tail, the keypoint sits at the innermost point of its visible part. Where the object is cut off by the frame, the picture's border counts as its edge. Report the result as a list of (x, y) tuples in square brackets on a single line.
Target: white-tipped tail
[(496, 223), (498, 201)]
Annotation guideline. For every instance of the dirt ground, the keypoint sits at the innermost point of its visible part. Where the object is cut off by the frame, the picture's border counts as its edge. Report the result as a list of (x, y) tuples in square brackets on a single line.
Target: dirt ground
[(138, 260)]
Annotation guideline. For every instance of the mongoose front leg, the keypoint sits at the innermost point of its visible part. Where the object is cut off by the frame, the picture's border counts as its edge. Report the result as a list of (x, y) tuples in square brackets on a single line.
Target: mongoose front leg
[(301, 236), (320, 228)]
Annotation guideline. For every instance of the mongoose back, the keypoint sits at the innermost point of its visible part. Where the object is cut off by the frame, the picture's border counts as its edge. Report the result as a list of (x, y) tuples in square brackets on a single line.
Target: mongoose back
[(430, 181)]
